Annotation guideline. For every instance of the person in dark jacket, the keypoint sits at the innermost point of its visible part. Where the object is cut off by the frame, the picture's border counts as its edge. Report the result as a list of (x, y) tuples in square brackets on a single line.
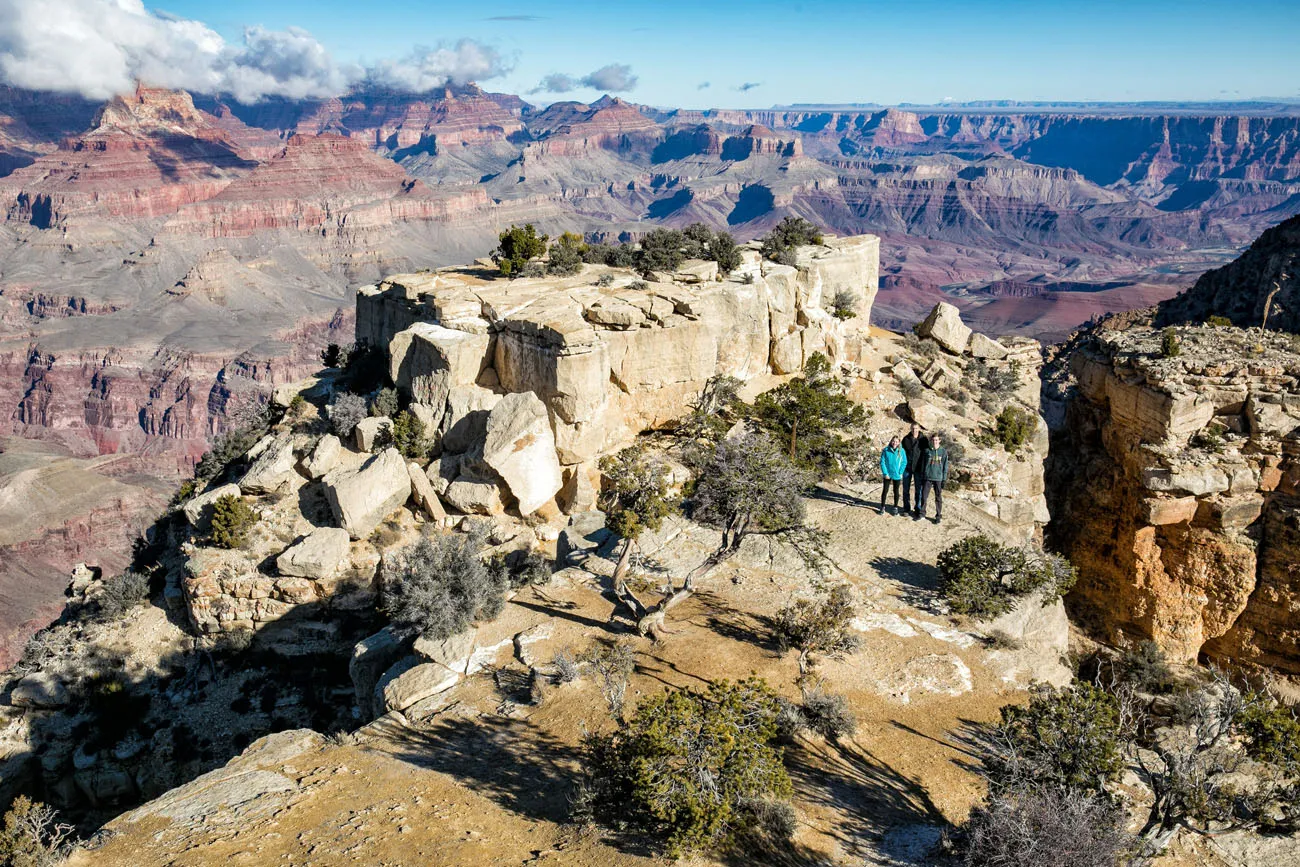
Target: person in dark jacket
[(915, 445), (934, 472), (893, 463)]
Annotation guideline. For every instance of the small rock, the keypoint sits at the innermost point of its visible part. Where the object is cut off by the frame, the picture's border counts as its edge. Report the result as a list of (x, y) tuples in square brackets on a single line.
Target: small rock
[(370, 432)]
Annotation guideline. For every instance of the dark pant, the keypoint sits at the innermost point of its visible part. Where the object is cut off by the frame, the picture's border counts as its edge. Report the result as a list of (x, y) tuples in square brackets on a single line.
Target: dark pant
[(910, 481), (885, 490), (923, 496)]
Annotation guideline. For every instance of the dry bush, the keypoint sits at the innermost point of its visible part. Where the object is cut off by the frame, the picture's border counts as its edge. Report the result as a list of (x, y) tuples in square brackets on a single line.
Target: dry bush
[(613, 663)]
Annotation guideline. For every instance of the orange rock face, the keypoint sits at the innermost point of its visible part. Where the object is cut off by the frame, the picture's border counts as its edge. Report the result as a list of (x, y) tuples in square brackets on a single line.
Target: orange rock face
[(1174, 487)]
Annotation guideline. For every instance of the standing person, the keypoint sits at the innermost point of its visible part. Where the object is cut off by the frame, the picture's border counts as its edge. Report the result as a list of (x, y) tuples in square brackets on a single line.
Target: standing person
[(893, 463), (915, 445), (934, 474)]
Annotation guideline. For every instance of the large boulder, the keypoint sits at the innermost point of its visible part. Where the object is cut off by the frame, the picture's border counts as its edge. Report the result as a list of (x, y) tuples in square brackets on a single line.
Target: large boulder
[(273, 469), (412, 680), (39, 689), (986, 347), (944, 326), (429, 360), (319, 555), (323, 456), (371, 657), (474, 495), (453, 653), (198, 511), (361, 498), (465, 422), (520, 447)]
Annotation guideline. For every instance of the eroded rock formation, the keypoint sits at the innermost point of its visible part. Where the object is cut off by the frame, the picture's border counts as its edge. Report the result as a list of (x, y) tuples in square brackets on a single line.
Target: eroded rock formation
[(1174, 482)]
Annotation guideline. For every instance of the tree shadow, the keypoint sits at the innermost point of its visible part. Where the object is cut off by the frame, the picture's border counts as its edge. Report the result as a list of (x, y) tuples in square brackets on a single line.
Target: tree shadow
[(743, 626), (871, 797), (918, 582), (512, 762)]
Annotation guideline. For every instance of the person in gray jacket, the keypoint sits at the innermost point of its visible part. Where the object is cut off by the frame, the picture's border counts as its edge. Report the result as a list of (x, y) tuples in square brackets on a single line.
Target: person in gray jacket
[(934, 474)]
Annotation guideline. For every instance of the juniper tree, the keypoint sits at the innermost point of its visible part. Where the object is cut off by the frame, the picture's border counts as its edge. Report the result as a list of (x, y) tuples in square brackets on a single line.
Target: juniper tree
[(517, 246), (814, 415)]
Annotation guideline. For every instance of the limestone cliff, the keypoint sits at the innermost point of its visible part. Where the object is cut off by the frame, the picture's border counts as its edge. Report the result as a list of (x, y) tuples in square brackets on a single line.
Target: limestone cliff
[(611, 360), (1174, 482)]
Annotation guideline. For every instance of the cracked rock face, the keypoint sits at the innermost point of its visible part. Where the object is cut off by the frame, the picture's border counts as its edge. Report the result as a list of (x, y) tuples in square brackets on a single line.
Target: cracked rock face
[(1175, 482)]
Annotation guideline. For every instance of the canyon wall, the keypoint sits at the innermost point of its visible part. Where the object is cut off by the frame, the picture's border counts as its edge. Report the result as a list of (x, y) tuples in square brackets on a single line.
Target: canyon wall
[(1175, 488)]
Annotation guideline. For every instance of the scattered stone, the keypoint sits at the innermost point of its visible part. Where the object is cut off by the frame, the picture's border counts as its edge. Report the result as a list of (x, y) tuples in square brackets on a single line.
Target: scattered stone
[(423, 493), (412, 680), (584, 535), (371, 657), (323, 457)]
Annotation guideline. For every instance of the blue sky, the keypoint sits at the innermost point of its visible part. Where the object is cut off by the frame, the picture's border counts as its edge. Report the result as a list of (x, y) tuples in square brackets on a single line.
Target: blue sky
[(817, 51)]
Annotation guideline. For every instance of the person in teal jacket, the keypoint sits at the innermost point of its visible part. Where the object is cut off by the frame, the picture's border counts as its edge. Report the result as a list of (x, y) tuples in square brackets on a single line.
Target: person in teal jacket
[(893, 461)]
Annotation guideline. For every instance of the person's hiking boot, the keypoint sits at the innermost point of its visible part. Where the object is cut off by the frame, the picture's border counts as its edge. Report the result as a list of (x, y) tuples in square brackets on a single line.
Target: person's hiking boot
[(938, 519)]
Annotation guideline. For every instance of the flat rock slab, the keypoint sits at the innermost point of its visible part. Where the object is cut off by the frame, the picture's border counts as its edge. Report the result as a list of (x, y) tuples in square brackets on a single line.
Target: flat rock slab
[(362, 498), (320, 554)]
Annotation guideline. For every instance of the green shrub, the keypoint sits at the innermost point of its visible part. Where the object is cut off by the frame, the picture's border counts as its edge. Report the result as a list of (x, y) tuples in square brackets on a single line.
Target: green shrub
[(788, 235), (408, 436), (661, 250), (981, 578), (1170, 345), (1146, 667), (565, 256), (696, 239), (440, 586), (692, 766), (814, 418), (845, 304), (33, 836), (232, 518), (818, 627), (344, 412), (230, 448), (828, 714), (1218, 321), (1014, 427), (516, 248), (723, 250), (1069, 738), (635, 494), (1271, 731), (1044, 827), (121, 593), (384, 403)]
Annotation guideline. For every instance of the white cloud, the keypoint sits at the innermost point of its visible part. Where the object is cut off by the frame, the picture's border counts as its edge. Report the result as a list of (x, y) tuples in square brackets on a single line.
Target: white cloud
[(612, 78), (100, 48), (425, 68)]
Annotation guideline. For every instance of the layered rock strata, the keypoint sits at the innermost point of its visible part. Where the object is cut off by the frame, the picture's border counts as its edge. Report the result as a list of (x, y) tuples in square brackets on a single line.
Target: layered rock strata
[(1176, 483)]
